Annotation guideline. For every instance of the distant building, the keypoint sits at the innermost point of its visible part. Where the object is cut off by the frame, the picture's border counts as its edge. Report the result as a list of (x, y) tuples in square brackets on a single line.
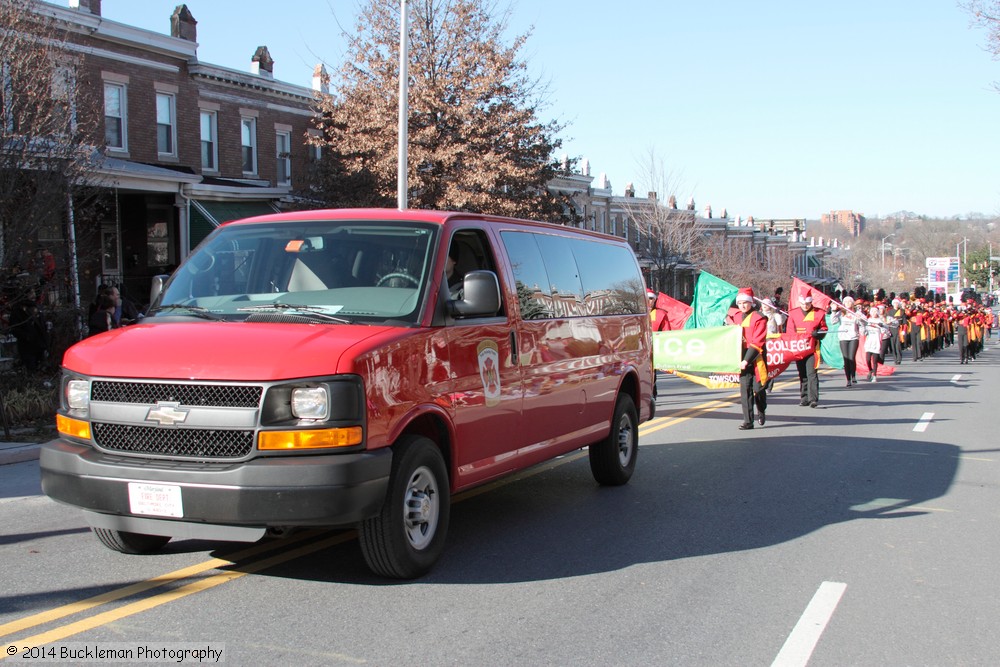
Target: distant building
[(849, 220)]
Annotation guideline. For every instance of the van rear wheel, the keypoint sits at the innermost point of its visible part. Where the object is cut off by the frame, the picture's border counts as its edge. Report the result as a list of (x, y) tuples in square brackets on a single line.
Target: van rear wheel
[(407, 537), (130, 543), (612, 460)]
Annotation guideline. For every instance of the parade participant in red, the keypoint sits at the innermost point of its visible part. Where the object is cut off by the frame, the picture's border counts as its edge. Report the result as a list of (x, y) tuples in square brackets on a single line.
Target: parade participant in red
[(753, 370), (807, 320)]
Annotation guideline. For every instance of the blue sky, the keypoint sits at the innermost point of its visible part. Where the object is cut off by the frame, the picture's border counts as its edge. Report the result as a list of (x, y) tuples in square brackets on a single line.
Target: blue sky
[(775, 109)]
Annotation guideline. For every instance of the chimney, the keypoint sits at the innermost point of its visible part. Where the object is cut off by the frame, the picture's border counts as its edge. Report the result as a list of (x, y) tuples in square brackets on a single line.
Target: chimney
[(182, 24), (90, 6), (321, 80), (651, 195), (262, 64)]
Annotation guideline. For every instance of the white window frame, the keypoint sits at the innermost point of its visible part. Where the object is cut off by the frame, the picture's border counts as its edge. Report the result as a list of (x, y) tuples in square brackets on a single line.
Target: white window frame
[(171, 101), (283, 156), (213, 139), (248, 141), (122, 117)]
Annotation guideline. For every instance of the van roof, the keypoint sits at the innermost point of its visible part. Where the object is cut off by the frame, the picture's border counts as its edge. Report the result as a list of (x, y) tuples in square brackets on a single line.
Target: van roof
[(411, 215)]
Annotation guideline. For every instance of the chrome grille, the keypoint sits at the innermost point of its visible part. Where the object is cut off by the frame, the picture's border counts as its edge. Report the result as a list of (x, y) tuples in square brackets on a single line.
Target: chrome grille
[(191, 443), (216, 395)]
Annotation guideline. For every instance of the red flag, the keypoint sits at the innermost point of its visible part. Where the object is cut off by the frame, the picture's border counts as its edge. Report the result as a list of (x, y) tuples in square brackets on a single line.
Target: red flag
[(801, 289), (669, 314)]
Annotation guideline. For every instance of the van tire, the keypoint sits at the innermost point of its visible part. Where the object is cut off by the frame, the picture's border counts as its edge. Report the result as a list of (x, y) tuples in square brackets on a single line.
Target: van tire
[(130, 543), (612, 460), (407, 537)]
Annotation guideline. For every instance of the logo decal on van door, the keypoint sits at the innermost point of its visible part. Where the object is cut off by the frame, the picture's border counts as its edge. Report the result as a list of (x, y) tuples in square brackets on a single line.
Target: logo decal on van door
[(488, 355)]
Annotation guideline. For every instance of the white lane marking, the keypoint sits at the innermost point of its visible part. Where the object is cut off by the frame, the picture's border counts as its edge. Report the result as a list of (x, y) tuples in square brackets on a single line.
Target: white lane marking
[(955, 379), (800, 644), (924, 422)]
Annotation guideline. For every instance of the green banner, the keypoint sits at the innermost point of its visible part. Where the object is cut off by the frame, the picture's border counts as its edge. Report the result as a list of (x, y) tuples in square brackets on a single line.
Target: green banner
[(714, 349), (712, 298), (829, 348)]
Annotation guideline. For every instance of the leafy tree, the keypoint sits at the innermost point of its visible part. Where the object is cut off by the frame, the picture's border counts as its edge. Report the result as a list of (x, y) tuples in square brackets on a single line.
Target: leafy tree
[(475, 140)]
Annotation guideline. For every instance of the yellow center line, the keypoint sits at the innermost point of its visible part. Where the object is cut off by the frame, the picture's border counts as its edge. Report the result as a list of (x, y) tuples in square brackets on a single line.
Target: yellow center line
[(149, 584), (206, 583)]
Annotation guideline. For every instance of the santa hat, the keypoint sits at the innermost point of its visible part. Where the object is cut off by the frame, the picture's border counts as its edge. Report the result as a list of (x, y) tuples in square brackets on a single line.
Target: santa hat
[(745, 294), (650, 294)]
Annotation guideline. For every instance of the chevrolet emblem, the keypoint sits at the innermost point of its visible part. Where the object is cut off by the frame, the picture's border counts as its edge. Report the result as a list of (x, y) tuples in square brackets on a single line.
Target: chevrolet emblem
[(166, 414)]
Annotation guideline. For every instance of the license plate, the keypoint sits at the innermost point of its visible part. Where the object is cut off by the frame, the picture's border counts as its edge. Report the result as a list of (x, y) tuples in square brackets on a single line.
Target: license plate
[(155, 499)]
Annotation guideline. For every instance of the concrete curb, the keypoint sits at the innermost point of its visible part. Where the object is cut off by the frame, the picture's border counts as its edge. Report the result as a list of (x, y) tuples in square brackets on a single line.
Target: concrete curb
[(18, 452)]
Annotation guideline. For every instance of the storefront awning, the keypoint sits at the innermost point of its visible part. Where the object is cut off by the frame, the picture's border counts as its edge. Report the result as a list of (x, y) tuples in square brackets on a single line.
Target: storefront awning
[(207, 215)]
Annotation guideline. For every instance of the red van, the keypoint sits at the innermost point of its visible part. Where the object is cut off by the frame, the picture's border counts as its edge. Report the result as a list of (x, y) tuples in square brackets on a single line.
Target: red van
[(353, 367)]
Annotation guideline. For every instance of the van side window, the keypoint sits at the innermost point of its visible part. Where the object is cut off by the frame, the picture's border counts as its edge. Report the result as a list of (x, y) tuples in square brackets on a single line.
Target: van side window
[(530, 278), (468, 251), (610, 284), (562, 277)]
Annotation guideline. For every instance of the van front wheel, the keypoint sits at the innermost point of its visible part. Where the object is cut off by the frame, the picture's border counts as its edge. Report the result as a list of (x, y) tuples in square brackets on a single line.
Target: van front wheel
[(612, 460), (407, 536)]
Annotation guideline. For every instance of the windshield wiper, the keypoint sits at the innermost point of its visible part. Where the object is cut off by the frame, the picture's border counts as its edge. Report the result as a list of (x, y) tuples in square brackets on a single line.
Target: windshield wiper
[(317, 312), (197, 311)]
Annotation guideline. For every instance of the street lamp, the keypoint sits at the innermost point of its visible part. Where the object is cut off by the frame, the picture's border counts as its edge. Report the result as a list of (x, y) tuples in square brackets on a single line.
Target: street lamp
[(883, 248)]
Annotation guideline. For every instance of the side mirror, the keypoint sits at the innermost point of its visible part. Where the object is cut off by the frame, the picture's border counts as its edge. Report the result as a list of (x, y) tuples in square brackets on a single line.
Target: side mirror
[(156, 289), (481, 296)]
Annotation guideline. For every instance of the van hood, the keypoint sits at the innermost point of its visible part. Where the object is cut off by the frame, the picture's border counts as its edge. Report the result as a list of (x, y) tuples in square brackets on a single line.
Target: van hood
[(237, 351)]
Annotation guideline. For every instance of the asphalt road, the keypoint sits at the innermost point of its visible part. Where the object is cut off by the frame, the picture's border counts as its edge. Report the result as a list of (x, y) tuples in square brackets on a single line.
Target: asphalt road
[(862, 532)]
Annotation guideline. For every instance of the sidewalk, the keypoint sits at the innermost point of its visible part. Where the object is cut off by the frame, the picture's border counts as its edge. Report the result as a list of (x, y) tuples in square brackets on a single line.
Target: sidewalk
[(16, 452)]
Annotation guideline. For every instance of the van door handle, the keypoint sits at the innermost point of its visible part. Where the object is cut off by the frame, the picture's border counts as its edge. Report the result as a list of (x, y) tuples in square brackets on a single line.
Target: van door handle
[(513, 348)]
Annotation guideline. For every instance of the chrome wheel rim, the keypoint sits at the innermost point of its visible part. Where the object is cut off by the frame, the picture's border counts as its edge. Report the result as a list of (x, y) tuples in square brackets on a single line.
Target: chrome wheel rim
[(421, 508)]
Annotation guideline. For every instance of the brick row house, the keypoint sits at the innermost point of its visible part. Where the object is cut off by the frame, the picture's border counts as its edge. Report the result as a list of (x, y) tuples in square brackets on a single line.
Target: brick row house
[(186, 145)]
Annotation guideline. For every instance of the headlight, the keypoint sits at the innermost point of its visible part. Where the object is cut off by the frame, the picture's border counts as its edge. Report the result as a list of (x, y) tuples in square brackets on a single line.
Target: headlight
[(78, 394), (310, 403)]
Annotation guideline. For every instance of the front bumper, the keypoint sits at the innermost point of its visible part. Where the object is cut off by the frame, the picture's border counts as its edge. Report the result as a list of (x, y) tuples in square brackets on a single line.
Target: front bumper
[(281, 491)]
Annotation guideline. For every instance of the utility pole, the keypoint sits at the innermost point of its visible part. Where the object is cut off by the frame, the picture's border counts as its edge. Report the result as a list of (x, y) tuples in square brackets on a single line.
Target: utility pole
[(404, 87)]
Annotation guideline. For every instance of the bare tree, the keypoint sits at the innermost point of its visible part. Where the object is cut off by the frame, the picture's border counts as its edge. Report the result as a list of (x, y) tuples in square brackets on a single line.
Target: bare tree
[(46, 158), (475, 140), (45, 154), (986, 15), (668, 237)]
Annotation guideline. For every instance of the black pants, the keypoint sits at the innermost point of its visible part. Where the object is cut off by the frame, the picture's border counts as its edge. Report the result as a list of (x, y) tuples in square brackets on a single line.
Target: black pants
[(751, 394), (849, 350), (962, 340), (895, 346), (808, 379), (915, 342), (872, 360)]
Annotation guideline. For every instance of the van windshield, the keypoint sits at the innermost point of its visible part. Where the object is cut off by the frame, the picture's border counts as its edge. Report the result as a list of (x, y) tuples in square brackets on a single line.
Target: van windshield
[(322, 271)]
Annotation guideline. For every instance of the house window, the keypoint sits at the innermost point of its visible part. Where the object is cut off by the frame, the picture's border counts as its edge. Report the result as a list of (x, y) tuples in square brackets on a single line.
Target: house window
[(209, 144), (166, 128), (248, 139), (115, 117), (283, 146)]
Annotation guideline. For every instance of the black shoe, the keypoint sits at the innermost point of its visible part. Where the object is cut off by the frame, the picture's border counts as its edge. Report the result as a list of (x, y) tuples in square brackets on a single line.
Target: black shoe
[(804, 403), (746, 427), (813, 404), (761, 419)]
